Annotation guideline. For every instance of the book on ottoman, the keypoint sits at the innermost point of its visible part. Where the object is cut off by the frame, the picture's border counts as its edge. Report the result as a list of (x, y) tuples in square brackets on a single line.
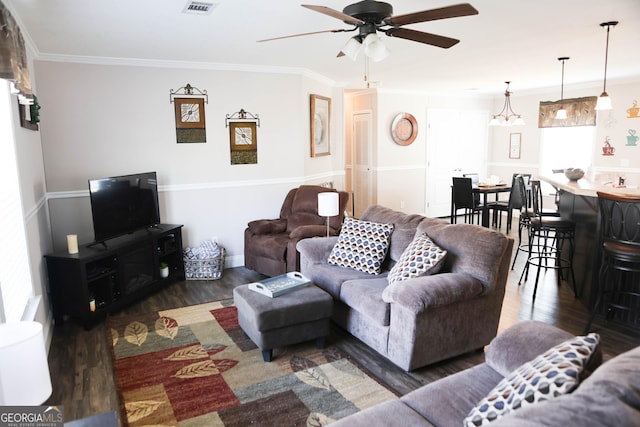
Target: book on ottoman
[(279, 285)]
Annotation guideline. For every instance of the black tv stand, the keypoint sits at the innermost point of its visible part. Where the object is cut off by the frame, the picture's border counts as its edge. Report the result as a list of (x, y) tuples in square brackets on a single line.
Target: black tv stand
[(103, 243), (103, 279)]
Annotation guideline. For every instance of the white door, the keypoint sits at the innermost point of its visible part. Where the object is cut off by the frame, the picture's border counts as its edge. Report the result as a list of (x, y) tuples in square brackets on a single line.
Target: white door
[(362, 158), (456, 144)]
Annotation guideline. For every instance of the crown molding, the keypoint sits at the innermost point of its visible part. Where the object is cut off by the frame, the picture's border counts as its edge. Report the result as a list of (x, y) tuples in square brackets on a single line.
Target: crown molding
[(188, 65)]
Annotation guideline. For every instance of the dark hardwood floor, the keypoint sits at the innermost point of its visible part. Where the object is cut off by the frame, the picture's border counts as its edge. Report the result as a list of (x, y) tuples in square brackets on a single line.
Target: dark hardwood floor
[(82, 372)]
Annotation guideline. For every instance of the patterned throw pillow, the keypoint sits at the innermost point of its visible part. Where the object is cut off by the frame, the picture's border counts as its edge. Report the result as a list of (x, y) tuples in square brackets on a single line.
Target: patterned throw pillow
[(553, 373), (421, 257), (362, 245)]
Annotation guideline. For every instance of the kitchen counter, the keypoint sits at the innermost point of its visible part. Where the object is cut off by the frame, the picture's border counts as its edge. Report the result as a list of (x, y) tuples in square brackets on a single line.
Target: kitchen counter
[(578, 201), (585, 187)]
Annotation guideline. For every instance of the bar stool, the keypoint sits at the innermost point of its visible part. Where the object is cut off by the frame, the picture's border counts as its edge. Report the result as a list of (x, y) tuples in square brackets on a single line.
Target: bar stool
[(524, 219), (548, 234), (619, 276)]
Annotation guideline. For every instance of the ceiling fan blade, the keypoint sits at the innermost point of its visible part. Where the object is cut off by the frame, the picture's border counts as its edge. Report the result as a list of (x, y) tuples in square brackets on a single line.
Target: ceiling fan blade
[(453, 11), (422, 37), (334, 14), (301, 34)]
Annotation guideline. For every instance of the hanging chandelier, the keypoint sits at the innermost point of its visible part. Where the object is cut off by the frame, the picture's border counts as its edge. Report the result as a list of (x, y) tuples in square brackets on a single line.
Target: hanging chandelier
[(506, 116), (604, 102), (561, 114)]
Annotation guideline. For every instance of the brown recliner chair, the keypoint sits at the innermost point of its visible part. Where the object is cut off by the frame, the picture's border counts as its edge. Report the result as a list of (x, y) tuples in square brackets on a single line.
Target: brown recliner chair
[(270, 244)]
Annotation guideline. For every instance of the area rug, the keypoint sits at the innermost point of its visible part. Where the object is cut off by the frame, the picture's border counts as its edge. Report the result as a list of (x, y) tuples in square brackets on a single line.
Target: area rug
[(193, 366)]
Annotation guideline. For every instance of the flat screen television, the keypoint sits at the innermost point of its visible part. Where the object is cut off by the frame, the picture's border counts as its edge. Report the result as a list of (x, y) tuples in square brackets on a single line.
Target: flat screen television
[(123, 204)]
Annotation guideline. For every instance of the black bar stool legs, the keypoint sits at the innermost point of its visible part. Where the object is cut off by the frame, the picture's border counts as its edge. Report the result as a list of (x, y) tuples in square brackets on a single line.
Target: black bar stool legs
[(546, 246), (548, 233), (618, 288)]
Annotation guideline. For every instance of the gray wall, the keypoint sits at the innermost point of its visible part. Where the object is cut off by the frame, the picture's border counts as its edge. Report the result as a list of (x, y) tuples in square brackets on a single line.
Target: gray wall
[(101, 120)]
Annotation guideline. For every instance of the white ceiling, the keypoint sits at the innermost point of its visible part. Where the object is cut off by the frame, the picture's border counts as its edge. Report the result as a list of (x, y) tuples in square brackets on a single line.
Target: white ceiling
[(517, 40)]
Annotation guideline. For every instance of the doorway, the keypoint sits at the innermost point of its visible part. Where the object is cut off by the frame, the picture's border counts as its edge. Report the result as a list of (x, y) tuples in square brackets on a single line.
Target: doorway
[(456, 144), (362, 146)]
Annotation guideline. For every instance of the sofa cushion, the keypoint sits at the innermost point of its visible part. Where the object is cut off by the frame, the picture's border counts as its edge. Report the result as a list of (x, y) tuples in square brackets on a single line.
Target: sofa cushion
[(522, 342), (472, 249), (447, 402), (404, 227), (365, 296), (304, 207), (609, 397), (389, 413), (362, 245), (268, 226), (421, 257), (551, 374), (272, 246)]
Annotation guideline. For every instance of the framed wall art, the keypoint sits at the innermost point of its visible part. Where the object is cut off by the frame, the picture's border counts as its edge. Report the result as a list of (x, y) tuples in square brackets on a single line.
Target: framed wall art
[(190, 124), (320, 126), (404, 129), (243, 143), (515, 140)]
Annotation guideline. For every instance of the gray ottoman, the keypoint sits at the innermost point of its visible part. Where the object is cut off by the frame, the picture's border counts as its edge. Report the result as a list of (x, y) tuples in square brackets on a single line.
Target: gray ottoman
[(300, 315)]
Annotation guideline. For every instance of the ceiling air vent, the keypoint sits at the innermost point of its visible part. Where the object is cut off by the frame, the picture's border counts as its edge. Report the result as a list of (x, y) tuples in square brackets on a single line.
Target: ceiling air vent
[(199, 7)]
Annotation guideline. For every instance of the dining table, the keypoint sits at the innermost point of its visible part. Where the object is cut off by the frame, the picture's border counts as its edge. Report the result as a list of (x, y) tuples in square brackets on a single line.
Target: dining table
[(485, 190)]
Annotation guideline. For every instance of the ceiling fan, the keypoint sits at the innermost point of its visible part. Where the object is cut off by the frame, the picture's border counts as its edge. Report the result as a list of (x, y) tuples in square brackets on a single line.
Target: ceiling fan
[(369, 17)]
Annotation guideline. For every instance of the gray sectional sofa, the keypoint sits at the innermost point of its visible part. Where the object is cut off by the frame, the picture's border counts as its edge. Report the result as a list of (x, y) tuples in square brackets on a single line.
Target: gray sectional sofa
[(610, 396), (426, 319)]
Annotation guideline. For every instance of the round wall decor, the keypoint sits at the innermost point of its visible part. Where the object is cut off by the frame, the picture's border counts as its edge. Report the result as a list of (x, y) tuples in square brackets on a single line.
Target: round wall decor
[(404, 129)]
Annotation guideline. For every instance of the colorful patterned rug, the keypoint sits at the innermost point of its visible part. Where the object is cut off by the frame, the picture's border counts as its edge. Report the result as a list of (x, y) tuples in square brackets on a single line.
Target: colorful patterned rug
[(193, 366)]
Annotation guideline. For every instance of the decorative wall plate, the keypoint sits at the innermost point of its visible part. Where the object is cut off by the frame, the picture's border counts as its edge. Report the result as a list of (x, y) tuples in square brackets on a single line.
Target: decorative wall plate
[(404, 129)]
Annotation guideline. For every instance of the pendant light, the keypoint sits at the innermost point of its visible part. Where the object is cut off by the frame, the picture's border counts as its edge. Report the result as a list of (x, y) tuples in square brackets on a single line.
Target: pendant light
[(561, 114), (604, 102), (506, 116)]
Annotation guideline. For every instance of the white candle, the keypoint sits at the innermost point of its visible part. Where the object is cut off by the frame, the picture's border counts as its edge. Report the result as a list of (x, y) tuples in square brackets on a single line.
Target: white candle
[(72, 243)]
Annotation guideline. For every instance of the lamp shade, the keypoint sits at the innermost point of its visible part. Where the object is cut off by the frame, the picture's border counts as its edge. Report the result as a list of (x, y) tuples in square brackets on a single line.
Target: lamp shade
[(24, 371), (328, 203), (352, 49), (604, 102), (374, 48)]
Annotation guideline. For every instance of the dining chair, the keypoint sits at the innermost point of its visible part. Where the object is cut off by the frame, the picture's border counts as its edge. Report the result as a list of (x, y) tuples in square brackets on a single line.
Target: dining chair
[(475, 180), (463, 198), (515, 202)]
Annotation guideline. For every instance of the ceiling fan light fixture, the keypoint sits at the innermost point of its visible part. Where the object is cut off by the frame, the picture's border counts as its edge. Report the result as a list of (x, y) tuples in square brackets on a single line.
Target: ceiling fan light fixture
[(374, 48), (352, 48)]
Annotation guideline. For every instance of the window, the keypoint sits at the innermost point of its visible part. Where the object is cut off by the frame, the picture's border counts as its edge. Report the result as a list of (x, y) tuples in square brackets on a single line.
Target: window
[(15, 275), (566, 147)]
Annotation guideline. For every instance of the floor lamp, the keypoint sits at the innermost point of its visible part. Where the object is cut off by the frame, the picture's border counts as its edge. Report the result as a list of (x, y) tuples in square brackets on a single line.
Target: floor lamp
[(328, 205), (24, 371)]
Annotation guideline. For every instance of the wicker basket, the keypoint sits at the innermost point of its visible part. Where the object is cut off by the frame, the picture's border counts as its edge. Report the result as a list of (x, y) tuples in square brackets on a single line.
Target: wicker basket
[(204, 269)]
